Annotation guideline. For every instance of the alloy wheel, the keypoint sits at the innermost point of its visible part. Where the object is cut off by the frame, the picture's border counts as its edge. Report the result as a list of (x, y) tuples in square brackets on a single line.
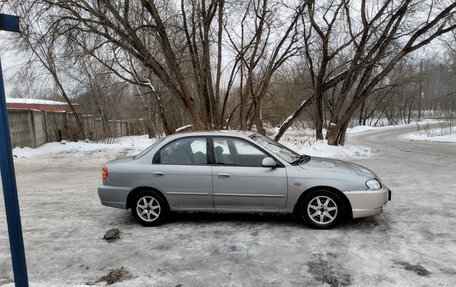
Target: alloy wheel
[(148, 208), (322, 210)]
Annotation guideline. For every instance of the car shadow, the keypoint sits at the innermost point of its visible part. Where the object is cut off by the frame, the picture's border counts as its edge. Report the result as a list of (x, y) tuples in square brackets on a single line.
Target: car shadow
[(250, 218), (379, 222)]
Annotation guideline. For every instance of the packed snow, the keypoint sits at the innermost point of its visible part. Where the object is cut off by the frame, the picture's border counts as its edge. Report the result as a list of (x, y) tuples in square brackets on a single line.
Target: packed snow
[(411, 244)]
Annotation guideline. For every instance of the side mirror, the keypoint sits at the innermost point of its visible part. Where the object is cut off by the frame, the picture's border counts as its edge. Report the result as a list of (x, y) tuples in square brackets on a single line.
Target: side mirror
[(268, 162)]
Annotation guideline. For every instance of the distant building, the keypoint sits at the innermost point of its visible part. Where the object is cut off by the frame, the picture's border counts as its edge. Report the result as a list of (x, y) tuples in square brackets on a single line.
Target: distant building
[(40, 105)]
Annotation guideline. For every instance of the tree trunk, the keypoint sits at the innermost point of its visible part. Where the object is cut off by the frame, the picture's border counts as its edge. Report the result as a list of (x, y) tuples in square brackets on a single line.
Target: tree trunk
[(361, 112), (331, 135), (336, 133), (258, 119), (77, 116), (318, 116), (166, 127), (289, 121)]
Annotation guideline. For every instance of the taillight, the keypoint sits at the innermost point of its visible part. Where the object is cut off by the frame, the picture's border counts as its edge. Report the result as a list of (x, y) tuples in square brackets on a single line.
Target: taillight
[(104, 172)]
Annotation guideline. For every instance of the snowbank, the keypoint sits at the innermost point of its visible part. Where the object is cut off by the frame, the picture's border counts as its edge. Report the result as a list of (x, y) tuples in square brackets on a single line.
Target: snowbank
[(424, 137), (322, 149), (360, 129), (439, 131), (135, 144), (301, 141)]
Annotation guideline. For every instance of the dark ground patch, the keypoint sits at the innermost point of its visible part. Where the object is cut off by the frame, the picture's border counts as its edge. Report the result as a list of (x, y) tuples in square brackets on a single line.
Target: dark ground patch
[(417, 268), (324, 271), (114, 276)]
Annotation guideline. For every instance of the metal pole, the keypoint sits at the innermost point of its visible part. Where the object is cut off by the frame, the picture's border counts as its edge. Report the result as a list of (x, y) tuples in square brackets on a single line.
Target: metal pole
[(420, 90), (13, 216)]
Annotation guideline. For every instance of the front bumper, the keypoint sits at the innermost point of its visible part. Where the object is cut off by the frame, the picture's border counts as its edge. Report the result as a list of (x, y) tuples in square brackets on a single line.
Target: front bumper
[(368, 202)]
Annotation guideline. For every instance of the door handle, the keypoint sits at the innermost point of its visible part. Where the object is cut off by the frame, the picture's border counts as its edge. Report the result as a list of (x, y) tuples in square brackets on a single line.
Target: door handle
[(224, 175), (158, 173)]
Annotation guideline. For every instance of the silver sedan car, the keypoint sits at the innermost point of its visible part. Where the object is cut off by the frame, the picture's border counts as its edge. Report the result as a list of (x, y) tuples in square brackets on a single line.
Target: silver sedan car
[(224, 171)]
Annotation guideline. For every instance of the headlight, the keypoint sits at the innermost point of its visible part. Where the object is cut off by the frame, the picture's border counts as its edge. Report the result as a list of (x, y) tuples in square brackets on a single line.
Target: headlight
[(373, 184)]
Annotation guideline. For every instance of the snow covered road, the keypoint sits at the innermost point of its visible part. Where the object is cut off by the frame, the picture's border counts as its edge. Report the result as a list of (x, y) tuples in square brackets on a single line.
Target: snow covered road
[(412, 244)]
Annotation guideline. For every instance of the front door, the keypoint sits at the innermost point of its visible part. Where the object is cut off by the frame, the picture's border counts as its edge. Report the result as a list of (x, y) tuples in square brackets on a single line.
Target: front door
[(240, 182)]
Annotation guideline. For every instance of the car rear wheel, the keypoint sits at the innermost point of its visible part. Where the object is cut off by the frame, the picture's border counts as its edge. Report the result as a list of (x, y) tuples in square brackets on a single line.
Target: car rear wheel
[(322, 209), (149, 209)]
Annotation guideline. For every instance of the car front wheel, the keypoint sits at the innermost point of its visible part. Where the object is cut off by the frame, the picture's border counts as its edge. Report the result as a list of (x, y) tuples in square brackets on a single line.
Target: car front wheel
[(322, 209), (149, 209)]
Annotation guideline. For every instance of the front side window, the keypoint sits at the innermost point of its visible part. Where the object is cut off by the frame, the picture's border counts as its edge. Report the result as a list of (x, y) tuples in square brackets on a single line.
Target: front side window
[(186, 151), (279, 150), (230, 151)]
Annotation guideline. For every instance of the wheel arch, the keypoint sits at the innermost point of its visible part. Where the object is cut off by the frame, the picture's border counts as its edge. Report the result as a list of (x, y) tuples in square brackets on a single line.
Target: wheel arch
[(348, 211), (135, 191)]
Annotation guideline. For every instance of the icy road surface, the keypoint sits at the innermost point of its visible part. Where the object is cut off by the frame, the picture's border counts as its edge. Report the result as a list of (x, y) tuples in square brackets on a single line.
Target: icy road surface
[(412, 244)]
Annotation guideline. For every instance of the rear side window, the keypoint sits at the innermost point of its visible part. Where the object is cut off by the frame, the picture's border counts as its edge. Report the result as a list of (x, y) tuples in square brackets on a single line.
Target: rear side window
[(144, 152), (186, 151)]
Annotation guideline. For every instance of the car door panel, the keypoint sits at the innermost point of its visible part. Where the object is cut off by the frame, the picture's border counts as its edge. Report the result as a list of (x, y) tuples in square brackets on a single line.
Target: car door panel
[(181, 171), (243, 183), (185, 187), (249, 187)]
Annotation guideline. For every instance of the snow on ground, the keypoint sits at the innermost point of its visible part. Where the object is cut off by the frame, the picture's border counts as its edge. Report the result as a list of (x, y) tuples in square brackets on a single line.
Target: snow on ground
[(33, 101), (300, 141), (303, 141), (360, 129), (443, 131), (132, 145), (421, 137), (411, 244), (322, 149)]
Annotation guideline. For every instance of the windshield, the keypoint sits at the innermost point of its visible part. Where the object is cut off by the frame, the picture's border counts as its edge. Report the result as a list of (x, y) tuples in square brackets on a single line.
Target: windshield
[(148, 149), (278, 149)]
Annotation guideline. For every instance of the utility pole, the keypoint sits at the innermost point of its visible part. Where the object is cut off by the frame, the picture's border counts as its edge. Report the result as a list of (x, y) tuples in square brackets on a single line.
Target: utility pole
[(13, 217), (420, 90)]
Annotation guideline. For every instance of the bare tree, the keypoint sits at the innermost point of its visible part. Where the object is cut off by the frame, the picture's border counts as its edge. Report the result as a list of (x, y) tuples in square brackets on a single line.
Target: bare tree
[(164, 39), (41, 38), (262, 54), (384, 36), (202, 62)]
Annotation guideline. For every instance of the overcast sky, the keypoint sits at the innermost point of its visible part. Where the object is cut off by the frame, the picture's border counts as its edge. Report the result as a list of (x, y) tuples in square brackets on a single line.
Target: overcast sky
[(10, 61)]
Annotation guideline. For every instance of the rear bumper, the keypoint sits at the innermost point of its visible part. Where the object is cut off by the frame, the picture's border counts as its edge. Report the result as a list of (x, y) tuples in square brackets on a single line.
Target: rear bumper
[(368, 202), (113, 196)]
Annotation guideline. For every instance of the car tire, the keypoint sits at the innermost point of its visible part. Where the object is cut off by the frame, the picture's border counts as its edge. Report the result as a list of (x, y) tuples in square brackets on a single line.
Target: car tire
[(149, 208), (321, 209)]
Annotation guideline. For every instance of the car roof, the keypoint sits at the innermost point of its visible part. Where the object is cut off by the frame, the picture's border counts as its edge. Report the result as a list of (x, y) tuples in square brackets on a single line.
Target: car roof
[(238, 133)]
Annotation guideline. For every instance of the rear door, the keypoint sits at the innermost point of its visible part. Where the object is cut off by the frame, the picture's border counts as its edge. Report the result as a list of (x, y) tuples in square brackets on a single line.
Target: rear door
[(180, 169), (239, 180)]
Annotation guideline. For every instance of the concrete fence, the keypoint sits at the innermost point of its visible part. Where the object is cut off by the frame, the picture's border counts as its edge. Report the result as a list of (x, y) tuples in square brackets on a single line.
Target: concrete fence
[(33, 128)]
